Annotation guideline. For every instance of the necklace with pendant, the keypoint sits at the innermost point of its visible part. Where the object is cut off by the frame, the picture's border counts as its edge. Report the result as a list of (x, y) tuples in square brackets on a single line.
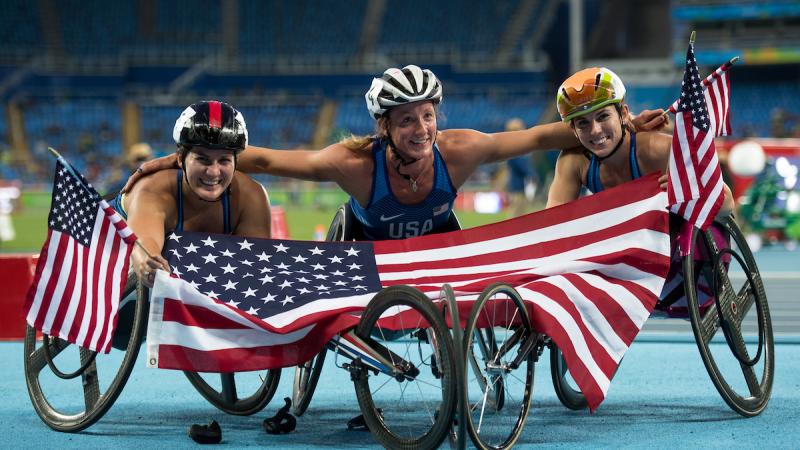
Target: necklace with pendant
[(411, 181)]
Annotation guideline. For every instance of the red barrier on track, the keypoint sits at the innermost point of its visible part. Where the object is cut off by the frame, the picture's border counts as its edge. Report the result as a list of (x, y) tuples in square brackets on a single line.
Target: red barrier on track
[(279, 228), (16, 275)]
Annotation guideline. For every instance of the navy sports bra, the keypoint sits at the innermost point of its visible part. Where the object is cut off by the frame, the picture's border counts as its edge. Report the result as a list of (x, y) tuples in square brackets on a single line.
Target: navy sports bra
[(116, 203), (384, 217), (593, 182)]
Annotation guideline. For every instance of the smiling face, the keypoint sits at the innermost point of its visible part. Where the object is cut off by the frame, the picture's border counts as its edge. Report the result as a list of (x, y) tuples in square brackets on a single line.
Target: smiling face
[(600, 131), (413, 129), (208, 172)]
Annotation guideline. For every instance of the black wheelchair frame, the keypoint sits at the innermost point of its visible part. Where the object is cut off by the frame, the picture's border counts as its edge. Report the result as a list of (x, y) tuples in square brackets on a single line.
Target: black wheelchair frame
[(722, 319)]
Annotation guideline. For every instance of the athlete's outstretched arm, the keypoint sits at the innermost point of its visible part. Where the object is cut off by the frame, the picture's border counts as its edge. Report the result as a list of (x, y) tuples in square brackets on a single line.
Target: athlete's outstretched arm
[(304, 164), (148, 209)]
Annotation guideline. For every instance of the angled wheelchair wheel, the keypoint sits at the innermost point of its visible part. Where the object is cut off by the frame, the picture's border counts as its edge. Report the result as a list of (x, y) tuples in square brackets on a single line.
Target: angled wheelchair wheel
[(306, 377), (501, 348), (730, 317), (70, 387), (225, 394), (566, 390), (414, 408)]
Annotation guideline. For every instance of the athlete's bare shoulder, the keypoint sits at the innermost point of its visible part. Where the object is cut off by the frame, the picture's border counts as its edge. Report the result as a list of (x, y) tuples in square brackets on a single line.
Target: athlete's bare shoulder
[(163, 182), (652, 150)]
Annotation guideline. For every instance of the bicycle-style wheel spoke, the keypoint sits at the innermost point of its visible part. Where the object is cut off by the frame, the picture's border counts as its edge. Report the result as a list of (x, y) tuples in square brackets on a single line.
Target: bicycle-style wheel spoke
[(37, 359), (91, 381)]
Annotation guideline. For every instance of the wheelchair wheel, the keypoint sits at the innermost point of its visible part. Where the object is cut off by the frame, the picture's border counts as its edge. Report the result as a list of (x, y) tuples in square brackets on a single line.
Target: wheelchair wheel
[(566, 391), (306, 377), (70, 387), (338, 225), (458, 433), (225, 395), (502, 349), (414, 409), (733, 292)]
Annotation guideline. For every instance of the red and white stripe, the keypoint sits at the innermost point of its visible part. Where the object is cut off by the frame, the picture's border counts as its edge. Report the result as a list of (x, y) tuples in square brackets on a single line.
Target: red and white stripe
[(592, 271), (696, 190), (77, 289), (717, 86)]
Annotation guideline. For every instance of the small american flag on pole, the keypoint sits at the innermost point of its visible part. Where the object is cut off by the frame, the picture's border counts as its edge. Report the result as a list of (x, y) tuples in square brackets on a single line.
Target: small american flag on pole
[(592, 271), (696, 188), (83, 265), (719, 84)]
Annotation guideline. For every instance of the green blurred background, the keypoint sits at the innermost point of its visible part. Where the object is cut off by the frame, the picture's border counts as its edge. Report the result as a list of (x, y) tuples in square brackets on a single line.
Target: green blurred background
[(305, 211)]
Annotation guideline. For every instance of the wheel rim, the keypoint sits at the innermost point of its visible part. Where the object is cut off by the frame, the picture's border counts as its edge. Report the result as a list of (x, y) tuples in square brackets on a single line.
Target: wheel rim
[(498, 395), (740, 304), (221, 390), (566, 389), (306, 377), (408, 412), (71, 405)]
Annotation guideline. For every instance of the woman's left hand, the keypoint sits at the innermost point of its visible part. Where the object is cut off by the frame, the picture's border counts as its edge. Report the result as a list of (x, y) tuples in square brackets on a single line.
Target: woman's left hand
[(649, 120), (663, 181)]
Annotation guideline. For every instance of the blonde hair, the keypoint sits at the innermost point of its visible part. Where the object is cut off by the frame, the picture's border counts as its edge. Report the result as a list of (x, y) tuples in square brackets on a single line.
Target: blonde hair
[(356, 143)]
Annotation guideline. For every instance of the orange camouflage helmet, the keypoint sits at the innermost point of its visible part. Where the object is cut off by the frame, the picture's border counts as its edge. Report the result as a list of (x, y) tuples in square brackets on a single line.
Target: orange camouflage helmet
[(588, 90)]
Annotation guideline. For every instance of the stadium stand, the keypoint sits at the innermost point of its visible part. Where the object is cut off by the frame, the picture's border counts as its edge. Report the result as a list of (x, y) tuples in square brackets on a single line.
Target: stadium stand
[(298, 70)]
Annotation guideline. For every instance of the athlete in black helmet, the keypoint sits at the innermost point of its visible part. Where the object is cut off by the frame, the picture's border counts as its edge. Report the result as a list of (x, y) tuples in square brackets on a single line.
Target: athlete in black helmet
[(205, 194)]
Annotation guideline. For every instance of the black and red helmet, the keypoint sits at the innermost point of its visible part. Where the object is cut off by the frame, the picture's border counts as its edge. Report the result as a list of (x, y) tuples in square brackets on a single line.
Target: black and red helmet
[(213, 125)]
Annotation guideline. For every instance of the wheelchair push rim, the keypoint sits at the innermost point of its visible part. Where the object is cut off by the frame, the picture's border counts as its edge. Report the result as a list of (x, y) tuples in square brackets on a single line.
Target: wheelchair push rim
[(724, 317), (414, 408), (501, 349), (46, 388)]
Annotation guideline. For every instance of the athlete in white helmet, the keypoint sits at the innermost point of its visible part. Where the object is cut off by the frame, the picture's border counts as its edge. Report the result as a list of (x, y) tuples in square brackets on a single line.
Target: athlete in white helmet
[(403, 179)]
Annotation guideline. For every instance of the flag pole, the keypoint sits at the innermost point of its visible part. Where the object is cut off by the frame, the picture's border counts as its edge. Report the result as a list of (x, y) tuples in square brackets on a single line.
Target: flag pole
[(707, 81), (75, 175)]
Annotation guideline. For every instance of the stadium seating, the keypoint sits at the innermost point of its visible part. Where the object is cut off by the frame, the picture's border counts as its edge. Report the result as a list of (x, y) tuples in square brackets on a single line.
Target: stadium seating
[(70, 67)]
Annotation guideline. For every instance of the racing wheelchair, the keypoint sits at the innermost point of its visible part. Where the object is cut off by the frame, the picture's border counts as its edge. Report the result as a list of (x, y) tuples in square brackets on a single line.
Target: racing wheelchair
[(400, 334), (344, 227), (725, 301), (71, 387), (494, 361)]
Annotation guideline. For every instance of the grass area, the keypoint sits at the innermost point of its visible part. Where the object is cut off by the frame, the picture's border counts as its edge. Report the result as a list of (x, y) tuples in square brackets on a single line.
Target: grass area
[(30, 222)]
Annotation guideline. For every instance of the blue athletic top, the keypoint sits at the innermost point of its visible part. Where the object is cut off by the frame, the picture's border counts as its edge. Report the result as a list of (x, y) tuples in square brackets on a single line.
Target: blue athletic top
[(593, 182), (116, 203), (385, 217)]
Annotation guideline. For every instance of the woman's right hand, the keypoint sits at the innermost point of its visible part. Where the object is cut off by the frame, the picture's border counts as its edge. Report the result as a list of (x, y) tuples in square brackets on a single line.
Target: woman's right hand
[(145, 266), (165, 162)]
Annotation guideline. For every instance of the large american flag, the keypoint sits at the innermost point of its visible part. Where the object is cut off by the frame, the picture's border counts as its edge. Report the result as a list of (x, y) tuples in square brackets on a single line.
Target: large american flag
[(592, 271), (82, 267), (696, 187)]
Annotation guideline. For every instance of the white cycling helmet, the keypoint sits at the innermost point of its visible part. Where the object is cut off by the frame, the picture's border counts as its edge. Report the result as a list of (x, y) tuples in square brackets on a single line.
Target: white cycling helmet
[(400, 86)]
